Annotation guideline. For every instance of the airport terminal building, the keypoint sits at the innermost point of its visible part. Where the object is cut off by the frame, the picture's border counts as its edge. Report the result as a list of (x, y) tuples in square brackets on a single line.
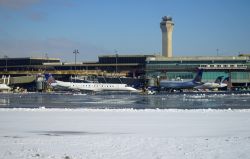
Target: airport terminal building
[(148, 67), (235, 67)]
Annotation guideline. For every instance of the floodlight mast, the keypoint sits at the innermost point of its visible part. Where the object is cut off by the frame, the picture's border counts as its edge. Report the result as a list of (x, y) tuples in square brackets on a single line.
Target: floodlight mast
[(75, 52)]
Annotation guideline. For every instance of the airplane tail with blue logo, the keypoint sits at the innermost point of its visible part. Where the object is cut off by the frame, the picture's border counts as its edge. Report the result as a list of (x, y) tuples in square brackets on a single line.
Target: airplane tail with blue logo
[(198, 76), (218, 79), (226, 80), (49, 78)]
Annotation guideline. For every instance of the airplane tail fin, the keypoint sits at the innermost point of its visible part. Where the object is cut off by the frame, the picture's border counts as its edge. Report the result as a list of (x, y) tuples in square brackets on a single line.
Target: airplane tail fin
[(226, 80), (198, 76), (218, 79), (49, 78)]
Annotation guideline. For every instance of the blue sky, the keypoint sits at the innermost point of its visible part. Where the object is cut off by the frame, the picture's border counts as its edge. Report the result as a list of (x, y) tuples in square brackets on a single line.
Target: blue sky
[(96, 27)]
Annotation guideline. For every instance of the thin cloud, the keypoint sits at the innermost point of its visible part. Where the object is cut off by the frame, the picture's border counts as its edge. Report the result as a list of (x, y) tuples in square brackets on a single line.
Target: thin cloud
[(37, 16), (68, 4), (54, 47), (17, 4)]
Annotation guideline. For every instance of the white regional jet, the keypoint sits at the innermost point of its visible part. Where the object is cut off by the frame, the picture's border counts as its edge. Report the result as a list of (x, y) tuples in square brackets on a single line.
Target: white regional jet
[(95, 87)]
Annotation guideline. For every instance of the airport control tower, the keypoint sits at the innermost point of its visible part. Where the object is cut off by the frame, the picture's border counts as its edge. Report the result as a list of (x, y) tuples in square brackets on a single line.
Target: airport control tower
[(167, 27)]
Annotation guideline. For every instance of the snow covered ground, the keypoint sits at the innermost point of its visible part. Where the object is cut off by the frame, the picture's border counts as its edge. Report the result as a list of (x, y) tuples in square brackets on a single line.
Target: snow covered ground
[(124, 134)]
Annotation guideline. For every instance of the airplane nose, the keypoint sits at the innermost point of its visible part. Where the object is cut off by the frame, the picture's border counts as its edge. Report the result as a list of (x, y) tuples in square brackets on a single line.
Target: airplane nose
[(133, 89)]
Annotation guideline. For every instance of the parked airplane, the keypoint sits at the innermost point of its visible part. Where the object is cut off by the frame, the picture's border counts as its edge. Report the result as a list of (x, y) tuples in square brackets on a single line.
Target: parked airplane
[(212, 85), (88, 86), (224, 82), (179, 85), (4, 87)]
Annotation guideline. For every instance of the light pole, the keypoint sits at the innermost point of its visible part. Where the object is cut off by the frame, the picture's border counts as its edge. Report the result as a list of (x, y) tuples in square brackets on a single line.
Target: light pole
[(217, 50), (6, 62), (47, 57), (116, 56), (75, 52)]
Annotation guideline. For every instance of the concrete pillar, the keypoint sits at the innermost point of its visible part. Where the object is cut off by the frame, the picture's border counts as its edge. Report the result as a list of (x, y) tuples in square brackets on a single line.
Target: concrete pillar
[(167, 27)]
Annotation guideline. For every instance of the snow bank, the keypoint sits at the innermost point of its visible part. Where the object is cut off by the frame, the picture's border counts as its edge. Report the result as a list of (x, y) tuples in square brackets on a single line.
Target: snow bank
[(43, 109), (124, 133)]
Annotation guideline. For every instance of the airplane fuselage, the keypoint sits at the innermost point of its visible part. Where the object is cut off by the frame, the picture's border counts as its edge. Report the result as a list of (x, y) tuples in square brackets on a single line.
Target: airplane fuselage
[(211, 85), (179, 84), (93, 86)]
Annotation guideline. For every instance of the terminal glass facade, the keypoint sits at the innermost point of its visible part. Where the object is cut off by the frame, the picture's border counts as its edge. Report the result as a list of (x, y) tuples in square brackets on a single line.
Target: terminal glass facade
[(240, 77), (185, 68), (212, 75)]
